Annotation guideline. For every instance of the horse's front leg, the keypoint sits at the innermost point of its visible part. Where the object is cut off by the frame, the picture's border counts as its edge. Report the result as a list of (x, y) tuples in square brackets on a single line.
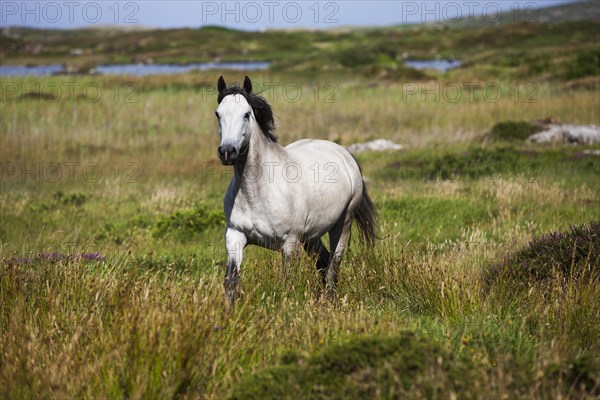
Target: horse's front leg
[(235, 241), (291, 251)]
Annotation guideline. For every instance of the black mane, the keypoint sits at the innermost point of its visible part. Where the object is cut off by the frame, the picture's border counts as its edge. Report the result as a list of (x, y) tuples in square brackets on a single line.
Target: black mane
[(262, 110)]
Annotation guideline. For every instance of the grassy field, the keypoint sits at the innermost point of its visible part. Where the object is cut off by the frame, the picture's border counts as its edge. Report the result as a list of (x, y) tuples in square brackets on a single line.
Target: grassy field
[(485, 282), (111, 241)]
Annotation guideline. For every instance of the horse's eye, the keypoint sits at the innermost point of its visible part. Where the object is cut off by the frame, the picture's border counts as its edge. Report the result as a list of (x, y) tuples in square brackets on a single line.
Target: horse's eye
[(247, 115)]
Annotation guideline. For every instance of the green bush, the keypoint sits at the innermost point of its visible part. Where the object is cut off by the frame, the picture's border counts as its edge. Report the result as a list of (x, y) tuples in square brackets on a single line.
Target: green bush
[(489, 163), (367, 367), (512, 130), (586, 64), (355, 57), (59, 199), (473, 164), (74, 198), (118, 231), (540, 65), (580, 374), (189, 222)]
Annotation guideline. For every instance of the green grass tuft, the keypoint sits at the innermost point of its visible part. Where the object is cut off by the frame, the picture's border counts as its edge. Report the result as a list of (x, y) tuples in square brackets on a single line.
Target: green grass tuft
[(586, 64), (511, 130), (366, 367), (186, 223)]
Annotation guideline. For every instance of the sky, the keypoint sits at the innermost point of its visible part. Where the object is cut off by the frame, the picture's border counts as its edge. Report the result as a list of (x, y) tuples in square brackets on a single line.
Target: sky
[(256, 15)]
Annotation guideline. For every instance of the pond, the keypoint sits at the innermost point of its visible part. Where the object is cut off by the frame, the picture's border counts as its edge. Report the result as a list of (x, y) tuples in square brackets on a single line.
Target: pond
[(438, 65), (26, 70), (133, 69)]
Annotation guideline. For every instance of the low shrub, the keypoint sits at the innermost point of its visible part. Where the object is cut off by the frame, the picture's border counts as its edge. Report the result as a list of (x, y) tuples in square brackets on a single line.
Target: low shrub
[(513, 130), (366, 367), (61, 199), (580, 374), (571, 253), (586, 64), (188, 222), (476, 163)]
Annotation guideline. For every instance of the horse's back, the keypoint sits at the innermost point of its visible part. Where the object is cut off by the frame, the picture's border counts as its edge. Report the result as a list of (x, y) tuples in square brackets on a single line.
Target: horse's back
[(317, 144), (327, 161), (317, 150), (329, 169)]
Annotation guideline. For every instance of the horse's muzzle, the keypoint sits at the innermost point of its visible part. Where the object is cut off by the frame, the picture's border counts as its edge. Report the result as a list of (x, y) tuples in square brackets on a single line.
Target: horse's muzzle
[(227, 154)]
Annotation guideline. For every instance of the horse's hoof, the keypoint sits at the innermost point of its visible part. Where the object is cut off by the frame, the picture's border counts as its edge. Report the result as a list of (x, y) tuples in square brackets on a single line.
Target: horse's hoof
[(233, 297), (329, 292)]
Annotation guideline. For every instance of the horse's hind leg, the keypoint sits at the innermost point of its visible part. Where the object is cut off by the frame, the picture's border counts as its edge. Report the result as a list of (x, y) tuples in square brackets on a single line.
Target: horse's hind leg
[(315, 248), (338, 241)]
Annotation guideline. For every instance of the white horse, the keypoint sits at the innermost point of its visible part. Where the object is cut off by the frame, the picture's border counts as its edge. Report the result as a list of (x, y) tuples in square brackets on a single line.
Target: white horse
[(284, 198)]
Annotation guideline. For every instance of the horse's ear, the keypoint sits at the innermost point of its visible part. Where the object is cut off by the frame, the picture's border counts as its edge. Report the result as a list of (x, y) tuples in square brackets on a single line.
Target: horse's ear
[(247, 85), (221, 85)]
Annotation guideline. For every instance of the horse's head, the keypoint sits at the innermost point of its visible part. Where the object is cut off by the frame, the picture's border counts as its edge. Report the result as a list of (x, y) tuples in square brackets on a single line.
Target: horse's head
[(237, 113), (235, 116)]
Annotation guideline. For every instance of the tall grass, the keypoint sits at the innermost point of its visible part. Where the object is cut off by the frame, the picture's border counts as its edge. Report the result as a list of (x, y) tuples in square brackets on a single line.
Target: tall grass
[(150, 319)]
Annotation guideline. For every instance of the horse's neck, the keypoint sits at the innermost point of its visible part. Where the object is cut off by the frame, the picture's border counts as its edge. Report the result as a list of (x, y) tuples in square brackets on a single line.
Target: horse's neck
[(261, 154)]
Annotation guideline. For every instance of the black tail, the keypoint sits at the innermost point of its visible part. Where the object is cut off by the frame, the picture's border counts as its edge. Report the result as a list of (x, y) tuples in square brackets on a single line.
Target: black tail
[(366, 218)]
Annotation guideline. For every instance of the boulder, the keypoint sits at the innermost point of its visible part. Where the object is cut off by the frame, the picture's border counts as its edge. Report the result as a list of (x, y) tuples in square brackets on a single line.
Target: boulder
[(567, 133), (373, 145)]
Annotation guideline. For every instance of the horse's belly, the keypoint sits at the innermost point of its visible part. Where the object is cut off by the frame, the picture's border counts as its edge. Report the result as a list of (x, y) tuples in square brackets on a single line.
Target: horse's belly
[(259, 230), (272, 229), (267, 239)]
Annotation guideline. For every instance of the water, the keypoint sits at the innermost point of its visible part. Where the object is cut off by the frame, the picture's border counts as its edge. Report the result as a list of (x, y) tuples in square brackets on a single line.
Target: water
[(24, 70), (438, 65), (134, 69), (168, 69)]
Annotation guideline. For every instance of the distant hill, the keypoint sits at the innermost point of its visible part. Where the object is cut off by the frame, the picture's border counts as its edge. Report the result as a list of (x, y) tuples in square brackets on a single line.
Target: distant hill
[(571, 12), (562, 43)]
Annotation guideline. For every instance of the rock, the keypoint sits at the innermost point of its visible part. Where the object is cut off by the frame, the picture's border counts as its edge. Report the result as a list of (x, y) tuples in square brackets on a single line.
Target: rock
[(69, 69), (374, 145), (575, 134)]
